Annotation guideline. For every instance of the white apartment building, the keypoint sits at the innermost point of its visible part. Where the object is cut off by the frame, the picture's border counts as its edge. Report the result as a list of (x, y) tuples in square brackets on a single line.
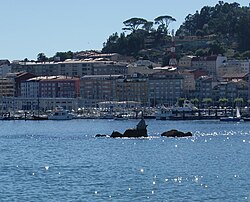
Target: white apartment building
[(72, 68)]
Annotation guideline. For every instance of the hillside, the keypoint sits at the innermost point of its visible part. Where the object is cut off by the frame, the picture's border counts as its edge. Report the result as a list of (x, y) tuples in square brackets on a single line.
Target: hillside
[(222, 29)]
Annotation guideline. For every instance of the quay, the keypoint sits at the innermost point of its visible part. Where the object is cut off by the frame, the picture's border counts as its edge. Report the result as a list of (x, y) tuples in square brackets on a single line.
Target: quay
[(148, 113)]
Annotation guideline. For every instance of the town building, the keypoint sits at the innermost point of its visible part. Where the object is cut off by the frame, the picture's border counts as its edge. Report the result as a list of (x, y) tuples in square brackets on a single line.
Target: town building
[(209, 64), (188, 82), (7, 87), (204, 88), (98, 88), (234, 67), (231, 90), (186, 61), (133, 88), (72, 68), (51, 87), (18, 78), (165, 87), (42, 104), (5, 68)]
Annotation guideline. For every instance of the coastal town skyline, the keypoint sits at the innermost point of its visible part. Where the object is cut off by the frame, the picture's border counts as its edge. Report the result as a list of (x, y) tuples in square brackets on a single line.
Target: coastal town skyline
[(31, 28)]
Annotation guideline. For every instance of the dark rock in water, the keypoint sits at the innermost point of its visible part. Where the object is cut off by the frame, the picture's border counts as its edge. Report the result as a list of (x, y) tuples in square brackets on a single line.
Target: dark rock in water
[(139, 131), (116, 134), (135, 133), (100, 135), (176, 133)]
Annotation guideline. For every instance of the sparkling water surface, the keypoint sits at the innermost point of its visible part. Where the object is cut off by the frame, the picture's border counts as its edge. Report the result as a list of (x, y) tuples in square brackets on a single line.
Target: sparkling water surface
[(63, 161)]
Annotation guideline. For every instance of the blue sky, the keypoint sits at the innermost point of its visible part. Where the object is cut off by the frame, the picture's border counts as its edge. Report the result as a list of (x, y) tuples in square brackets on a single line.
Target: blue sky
[(30, 27)]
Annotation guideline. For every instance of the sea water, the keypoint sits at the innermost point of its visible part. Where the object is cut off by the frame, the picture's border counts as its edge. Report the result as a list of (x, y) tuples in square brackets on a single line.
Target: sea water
[(63, 161)]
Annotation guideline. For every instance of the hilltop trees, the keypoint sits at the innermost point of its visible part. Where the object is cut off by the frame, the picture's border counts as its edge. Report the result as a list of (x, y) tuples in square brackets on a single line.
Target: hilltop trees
[(41, 57), (228, 21), (133, 24), (140, 30), (164, 22), (64, 55)]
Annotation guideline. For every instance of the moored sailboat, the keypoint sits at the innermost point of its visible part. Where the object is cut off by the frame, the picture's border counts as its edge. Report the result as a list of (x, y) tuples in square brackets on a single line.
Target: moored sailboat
[(236, 118)]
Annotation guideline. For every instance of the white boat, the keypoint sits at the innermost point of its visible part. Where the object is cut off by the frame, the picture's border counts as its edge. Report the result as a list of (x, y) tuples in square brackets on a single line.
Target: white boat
[(236, 118), (165, 113), (60, 114), (121, 117)]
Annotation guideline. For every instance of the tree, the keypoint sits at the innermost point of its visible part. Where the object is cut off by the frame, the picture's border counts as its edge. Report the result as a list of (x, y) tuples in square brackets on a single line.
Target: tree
[(223, 101), (195, 101), (64, 55), (216, 48), (181, 101), (148, 26), (246, 54), (207, 101), (238, 102), (164, 22), (133, 24), (41, 57)]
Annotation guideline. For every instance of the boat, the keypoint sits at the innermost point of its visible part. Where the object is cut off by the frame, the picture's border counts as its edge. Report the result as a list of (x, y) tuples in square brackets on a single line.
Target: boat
[(236, 118), (163, 113), (246, 118), (176, 111), (121, 117), (60, 114), (39, 117)]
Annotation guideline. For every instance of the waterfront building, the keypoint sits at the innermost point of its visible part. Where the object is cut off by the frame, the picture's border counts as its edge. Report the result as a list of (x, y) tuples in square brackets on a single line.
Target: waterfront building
[(20, 103), (7, 87), (165, 87), (18, 77), (188, 82), (98, 88), (51, 87), (204, 88), (101, 88), (133, 88), (231, 90)]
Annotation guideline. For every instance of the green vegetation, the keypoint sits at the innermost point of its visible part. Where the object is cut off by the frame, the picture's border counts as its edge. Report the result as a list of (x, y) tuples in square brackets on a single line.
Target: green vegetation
[(143, 36), (60, 56), (222, 29), (230, 23)]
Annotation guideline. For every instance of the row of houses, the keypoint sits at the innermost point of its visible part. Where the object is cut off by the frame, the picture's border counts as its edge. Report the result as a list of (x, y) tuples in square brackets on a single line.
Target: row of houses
[(90, 81), (216, 66), (162, 87)]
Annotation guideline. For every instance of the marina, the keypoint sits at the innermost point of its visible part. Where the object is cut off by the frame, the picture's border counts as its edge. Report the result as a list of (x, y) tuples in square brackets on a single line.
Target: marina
[(158, 113)]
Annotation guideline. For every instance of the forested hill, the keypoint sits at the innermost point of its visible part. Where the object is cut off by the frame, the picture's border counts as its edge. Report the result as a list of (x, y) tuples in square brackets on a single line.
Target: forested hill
[(227, 23)]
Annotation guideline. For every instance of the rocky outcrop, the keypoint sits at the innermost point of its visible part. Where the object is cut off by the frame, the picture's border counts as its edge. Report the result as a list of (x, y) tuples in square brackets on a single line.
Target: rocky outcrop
[(116, 134), (139, 131), (100, 135), (130, 133), (176, 133)]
